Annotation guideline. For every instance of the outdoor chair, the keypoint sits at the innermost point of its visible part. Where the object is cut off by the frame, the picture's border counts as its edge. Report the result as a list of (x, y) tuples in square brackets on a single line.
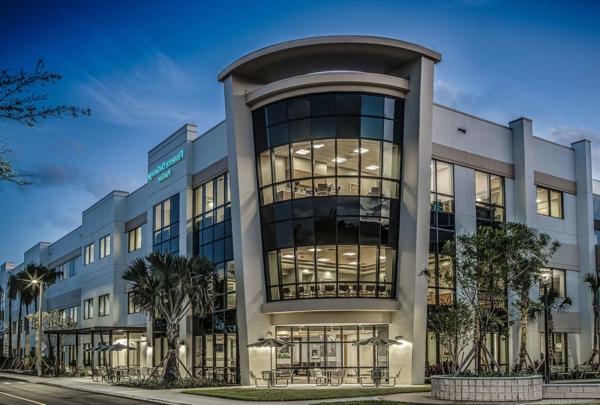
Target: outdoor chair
[(257, 381), (337, 377), (390, 380), (318, 376), (282, 378), (585, 370)]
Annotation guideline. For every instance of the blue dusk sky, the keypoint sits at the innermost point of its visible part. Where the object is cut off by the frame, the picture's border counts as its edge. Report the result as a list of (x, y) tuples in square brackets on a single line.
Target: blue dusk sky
[(146, 68)]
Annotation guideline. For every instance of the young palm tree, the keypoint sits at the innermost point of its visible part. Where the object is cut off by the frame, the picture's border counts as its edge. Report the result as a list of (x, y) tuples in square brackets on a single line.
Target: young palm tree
[(556, 303), (169, 286), (12, 294), (593, 281)]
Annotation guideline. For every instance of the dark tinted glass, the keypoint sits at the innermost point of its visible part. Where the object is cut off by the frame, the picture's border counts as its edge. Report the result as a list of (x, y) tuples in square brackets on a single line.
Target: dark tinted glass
[(268, 213), (372, 105), (285, 234), (278, 134), (276, 113), (298, 108), (347, 228), (347, 104), (322, 104), (304, 232), (371, 128), (347, 127), (303, 208), (369, 231), (283, 210), (348, 206), (323, 127), (370, 206), (326, 207), (325, 230), (299, 130), (260, 141), (258, 119)]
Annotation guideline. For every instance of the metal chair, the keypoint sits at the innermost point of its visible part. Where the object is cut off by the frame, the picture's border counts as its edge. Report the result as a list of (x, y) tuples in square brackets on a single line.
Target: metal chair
[(320, 378), (389, 378), (257, 381), (337, 377)]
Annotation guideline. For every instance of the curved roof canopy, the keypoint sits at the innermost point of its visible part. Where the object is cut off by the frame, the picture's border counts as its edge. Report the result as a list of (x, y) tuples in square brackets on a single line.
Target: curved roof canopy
[(328, 53)]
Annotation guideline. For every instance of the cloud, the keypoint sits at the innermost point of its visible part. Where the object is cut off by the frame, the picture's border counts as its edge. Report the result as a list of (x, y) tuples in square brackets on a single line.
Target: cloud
[(156, 90), (568, 135), (64, 220), (98, 184), (448, 95)]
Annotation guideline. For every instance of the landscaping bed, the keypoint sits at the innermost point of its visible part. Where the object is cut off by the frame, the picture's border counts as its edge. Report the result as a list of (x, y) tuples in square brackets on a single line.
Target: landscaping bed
[(296, 394)]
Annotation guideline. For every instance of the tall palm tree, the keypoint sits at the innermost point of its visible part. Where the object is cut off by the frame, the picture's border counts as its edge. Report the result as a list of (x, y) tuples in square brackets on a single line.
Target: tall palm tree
[(593, 282), (556, 303), (169, 286), (12, 294)]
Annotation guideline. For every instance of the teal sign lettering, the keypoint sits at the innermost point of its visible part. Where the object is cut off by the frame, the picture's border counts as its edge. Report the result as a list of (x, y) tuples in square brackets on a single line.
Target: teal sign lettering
[(163, 170)]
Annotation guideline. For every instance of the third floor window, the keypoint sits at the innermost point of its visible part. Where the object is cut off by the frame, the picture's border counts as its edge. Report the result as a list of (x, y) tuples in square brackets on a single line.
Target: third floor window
[(549, 202)]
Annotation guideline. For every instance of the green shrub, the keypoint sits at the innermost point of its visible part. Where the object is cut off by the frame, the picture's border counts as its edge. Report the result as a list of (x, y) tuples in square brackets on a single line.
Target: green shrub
[(159, 384)]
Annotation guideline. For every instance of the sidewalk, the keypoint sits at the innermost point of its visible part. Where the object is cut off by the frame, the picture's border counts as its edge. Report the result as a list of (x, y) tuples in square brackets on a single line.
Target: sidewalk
[(171, 397)]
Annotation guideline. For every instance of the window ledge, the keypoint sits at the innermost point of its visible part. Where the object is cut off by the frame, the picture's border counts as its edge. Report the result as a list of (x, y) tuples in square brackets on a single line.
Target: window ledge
[(331, 304)]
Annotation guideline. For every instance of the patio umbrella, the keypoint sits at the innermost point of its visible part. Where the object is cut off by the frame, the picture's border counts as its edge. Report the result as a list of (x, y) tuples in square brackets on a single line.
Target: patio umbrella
[(99, 348), (377, 342), (270, 343), (117, 347)]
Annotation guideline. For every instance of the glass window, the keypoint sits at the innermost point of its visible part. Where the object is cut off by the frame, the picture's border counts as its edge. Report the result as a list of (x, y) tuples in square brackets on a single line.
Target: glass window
[(281, 163), (549, 202), (558, 281), (135, 239), (324, 157), (88, 254), (105, 246), (489, 198), (301, 160), (444, 178), (88, 308), (482, 191), (104, 305), (370, 158), (131, 307), (347, 157)]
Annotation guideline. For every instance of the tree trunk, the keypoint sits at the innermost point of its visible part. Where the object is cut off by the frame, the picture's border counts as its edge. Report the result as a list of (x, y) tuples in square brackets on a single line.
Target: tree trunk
[(171, 369), (522, 364), (19, 328), (10, 331), (552, 357)]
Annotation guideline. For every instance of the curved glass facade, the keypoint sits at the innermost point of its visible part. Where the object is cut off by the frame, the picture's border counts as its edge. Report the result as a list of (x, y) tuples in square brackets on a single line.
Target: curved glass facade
[(328, 175)]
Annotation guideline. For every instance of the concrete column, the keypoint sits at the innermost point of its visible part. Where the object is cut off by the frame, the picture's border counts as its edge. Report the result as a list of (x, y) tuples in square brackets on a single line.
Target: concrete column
[(524, 160), (411, 321), (586, 241), (252, 324)]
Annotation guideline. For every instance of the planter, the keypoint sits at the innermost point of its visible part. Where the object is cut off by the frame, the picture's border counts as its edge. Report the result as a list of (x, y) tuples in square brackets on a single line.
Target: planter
[(487, 389)]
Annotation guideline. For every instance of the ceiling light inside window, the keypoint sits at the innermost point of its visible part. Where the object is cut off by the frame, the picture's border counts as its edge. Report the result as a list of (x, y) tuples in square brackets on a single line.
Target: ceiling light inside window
[(302, 152), (318, 145), (323, 259), (339, 160), (354, 263), (313, 249), (288, 256), (349, 254), (361, 150), (372, 167)]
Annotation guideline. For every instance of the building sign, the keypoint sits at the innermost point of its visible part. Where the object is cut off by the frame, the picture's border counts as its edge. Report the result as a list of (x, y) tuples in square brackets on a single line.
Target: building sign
[(163, 169)]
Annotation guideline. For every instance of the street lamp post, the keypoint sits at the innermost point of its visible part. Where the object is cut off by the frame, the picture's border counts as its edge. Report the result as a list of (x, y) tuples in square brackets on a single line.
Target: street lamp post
[(545, 281), (38, 341)]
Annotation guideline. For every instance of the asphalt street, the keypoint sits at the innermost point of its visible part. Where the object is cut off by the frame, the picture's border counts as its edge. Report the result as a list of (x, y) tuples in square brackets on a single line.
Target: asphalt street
[(14, 392)]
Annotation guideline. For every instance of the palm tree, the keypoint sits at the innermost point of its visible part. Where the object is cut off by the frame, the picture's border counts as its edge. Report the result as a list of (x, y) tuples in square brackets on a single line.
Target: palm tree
[(169, 286), (12, 294), (557, 304), (593, 281)]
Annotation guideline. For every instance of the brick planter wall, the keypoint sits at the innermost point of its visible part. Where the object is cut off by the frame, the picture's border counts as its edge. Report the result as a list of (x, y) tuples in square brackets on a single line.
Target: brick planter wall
[(487, 389), (572, 391)]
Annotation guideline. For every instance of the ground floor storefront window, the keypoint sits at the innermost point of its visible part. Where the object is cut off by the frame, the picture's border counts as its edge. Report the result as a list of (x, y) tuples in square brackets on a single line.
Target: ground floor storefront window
[(216, 357), (330, 347)]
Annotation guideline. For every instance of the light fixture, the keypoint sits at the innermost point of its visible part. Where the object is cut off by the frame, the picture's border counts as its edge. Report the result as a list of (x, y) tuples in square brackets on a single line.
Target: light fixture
[(353, 263), (361, 150), (538, 201), (288, 256), (323, 259), (318, 145), (349, 254), (381, 257), (372, 167), (313, 250), (339, 160), (302, 152)]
